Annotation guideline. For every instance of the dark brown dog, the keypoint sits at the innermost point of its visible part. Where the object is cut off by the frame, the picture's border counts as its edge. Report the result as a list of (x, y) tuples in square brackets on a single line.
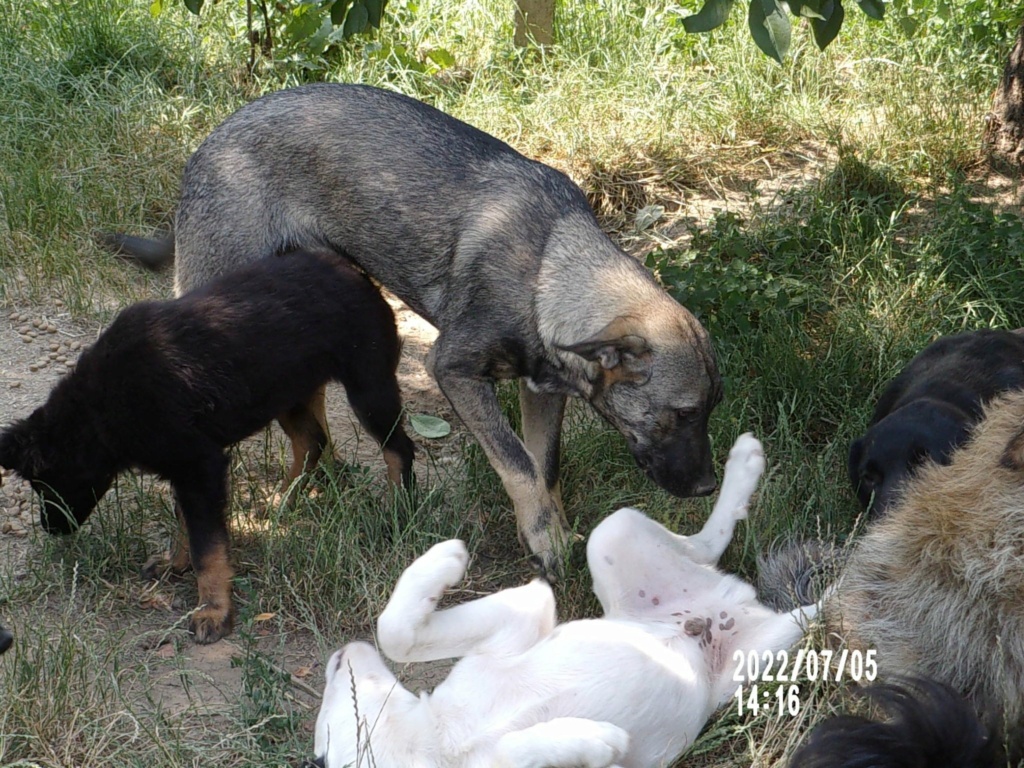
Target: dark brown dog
[(169, 385)]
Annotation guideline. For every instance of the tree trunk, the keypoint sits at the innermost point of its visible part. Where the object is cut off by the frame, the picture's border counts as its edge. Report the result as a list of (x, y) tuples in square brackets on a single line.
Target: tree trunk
[(535, 22), (1004, 136)]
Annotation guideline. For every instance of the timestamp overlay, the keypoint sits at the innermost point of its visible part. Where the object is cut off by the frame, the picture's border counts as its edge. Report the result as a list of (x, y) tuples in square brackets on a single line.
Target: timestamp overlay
[(769, 681)]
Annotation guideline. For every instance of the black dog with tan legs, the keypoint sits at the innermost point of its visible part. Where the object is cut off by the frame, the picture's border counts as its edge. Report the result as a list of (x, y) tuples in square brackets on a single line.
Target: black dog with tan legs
[(170, 385)]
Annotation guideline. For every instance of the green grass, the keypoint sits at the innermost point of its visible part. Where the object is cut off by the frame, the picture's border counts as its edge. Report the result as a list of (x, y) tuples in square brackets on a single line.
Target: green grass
[(814, 296)]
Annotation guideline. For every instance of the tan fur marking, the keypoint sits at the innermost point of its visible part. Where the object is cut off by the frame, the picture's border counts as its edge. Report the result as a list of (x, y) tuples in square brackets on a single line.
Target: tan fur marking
[(394, 464), (175, 559), (214, 617)]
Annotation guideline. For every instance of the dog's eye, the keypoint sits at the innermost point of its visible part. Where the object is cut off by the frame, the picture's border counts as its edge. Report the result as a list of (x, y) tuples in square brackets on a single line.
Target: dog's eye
[(685, 415)]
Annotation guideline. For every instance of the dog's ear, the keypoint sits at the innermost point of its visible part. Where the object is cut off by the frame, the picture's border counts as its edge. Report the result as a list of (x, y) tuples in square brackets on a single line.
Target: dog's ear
[(618, 349)]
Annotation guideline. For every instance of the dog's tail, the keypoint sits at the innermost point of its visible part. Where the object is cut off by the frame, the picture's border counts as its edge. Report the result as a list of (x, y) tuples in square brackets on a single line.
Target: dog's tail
[(926, 725), (797, 572), (151, 253)]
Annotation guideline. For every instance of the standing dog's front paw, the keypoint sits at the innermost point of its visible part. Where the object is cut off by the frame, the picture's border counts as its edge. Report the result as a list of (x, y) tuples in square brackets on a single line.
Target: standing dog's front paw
[(209, 624)]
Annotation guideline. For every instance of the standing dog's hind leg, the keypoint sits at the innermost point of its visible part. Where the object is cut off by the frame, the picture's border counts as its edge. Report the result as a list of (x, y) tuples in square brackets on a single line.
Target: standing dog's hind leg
[(309, 441), (177, 558)]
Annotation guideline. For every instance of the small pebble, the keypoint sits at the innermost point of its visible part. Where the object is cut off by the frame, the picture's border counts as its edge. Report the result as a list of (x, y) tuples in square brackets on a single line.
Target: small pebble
[(51, 328), (27, 339), (25, 329), (37, 323), (54, 346), (33, 367), (15, 384)]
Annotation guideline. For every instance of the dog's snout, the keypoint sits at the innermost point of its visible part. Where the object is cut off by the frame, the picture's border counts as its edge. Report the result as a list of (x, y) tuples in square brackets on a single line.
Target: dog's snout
[(705, 487)]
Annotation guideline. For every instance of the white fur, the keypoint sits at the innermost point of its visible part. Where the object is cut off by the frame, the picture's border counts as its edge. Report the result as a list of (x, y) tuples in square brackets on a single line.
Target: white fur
[(631, 689)]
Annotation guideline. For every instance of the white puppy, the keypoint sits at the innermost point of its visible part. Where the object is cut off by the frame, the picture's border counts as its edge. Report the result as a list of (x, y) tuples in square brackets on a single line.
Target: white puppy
[(631, 689)]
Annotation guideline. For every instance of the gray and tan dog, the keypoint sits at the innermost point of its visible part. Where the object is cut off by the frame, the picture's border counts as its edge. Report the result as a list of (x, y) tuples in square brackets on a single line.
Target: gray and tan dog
[(502, 254)]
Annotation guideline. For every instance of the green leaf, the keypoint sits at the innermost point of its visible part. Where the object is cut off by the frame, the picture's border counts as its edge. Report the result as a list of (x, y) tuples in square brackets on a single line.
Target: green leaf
[(442, 57), (156, 8), (429, 426), (356, 20), (375, 11), (304, 23), (873, 8), (811, 9), (194, 5), (338, 11), (825, 31), (711, 16), (770, 28)]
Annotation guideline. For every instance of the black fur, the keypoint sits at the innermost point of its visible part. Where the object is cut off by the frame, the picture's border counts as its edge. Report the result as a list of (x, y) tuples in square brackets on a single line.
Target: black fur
[(169, 385), (6, 640), (927, 725), (929, 409)]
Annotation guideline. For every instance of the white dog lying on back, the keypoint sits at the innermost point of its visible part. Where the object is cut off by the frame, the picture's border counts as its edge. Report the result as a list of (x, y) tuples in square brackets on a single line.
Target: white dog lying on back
[(631, 689)]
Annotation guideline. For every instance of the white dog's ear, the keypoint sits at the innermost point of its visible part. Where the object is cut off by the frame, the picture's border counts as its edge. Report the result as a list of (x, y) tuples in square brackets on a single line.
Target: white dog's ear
[(619, 349)]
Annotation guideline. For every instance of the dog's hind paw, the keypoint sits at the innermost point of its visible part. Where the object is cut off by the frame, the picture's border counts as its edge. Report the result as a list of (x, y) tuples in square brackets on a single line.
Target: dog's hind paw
[(565, 742), (436, 570), (444, 563), (163, 564)]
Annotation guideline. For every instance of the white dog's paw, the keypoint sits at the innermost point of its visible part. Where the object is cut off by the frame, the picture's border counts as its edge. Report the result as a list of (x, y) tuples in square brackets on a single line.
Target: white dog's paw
[(440, 567), (431, 574), (742, 471), (416, 595), (603, 746), (565, 742)]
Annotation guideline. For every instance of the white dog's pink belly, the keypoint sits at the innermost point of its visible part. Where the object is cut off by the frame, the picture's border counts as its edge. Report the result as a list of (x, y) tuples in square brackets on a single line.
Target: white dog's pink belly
[(600, 670)]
